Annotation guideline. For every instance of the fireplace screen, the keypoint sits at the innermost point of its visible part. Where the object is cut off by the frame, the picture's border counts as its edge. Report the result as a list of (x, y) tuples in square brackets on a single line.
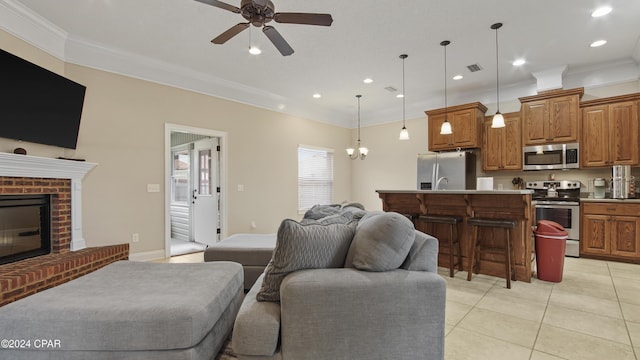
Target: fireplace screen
[(24, 227)]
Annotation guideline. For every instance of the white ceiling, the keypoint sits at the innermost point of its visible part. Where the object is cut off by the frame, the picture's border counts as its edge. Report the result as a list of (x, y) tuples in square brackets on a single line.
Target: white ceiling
[(168, 41)]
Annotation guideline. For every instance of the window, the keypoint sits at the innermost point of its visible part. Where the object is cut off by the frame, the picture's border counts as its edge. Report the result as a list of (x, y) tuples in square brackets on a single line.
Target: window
[(315, 177), (180, 176)]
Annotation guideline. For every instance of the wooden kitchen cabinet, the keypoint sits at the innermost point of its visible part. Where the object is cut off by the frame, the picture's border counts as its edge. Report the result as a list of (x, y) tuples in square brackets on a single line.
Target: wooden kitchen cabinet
[(466, 121), (551, 117), (610, 231), (502, 148), (610, 131)]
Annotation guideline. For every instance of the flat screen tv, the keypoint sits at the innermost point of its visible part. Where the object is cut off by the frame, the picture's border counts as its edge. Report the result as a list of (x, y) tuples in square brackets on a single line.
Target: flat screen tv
[(37, 105)]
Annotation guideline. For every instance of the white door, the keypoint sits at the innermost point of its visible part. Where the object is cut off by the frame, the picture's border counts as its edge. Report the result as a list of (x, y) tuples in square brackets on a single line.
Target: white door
[(205, 191)]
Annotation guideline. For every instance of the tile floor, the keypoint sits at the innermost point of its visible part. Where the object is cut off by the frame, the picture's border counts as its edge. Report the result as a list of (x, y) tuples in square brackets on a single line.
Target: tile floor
[(593, 313)]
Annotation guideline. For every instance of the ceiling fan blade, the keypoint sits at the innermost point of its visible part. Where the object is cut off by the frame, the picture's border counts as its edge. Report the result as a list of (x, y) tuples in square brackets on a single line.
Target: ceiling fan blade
[(221, 5), (233, 31), (277, 40), (304, 18)]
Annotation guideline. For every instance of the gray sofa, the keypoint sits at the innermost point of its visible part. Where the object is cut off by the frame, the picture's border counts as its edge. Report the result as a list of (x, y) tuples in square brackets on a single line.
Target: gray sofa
[(253, 251), (393, 312)]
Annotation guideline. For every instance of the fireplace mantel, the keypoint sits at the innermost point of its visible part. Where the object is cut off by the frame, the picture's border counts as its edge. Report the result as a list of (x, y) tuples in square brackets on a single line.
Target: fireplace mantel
[(14, 165)]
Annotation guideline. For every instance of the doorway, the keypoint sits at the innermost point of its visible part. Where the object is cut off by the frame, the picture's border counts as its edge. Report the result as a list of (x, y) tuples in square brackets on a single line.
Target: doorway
[(195, 205)]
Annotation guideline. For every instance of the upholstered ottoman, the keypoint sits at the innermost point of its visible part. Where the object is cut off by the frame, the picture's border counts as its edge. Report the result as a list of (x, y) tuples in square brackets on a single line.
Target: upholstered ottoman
[(128, 310), (253, 251)]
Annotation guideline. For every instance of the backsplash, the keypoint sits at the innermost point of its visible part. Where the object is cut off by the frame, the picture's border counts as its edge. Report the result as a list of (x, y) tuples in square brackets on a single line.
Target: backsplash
[(583, 175)]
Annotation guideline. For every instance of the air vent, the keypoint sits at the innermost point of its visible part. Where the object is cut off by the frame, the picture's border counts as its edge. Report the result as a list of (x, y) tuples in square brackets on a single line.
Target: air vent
[(474, 67), (391, 89)]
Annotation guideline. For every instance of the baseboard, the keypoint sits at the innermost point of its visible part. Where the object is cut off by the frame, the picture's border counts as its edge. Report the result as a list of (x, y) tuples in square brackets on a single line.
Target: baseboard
[(147, 255)]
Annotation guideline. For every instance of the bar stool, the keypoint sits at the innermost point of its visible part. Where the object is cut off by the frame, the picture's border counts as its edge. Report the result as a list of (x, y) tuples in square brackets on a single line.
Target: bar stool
[(507, 250), (411, 216), (452, 221)]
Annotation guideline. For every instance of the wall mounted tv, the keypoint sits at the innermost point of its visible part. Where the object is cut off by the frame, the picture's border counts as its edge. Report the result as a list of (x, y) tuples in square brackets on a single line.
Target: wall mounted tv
[(37, 105)]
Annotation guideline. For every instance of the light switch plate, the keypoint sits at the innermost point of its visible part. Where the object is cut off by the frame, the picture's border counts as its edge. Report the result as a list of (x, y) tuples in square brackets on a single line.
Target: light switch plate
[(153, 188)]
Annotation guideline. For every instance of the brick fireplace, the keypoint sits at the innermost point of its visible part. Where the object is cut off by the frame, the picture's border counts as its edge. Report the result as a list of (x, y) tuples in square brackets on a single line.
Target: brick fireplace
[(69, 258)]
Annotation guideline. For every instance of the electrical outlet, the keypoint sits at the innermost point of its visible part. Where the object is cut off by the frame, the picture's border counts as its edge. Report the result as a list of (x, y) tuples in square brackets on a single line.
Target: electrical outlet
[(135, 237)]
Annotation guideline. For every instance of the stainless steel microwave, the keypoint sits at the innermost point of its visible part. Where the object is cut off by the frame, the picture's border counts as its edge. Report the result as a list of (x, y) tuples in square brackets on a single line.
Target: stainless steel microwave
[(551, 156)]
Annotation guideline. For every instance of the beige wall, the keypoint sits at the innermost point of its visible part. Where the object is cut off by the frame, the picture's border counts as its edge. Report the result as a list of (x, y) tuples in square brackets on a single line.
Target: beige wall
[(122, 130)]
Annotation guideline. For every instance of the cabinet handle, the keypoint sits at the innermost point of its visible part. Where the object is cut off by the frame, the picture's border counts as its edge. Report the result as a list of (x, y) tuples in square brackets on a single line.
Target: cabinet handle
[(611, 209)]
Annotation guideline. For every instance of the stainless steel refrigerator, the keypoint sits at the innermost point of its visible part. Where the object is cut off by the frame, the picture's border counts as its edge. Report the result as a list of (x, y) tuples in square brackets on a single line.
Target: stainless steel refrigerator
[(454, 170)]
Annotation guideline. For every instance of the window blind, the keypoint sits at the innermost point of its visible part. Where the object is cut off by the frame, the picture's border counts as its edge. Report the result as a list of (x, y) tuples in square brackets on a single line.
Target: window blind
[(315, 177)]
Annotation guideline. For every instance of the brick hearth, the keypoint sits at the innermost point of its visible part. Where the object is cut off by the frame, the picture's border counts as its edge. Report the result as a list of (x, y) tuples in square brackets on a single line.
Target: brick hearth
[(22, 278)]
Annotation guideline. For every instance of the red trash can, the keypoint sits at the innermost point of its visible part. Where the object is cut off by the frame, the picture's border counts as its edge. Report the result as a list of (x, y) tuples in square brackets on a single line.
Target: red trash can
[(551, 243)]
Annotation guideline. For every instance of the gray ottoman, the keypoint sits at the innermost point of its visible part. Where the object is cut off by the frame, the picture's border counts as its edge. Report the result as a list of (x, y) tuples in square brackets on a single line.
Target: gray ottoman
[(253, 251), (128, 310)]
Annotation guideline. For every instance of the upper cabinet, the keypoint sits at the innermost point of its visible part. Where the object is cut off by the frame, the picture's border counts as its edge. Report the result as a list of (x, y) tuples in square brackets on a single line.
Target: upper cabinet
[(502, 147), (466, 121), (551, 117), (610, 131)]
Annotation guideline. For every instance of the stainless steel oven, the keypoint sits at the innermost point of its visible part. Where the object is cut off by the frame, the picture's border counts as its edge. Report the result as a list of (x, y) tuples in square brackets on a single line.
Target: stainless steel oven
[(566, 214), (558, 201)]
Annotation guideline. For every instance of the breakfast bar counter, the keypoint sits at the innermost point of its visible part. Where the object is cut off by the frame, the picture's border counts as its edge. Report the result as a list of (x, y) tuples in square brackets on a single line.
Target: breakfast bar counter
[(496, 204)]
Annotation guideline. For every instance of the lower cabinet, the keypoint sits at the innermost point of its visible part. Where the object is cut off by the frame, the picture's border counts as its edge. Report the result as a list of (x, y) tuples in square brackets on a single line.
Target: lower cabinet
[(610, 231)]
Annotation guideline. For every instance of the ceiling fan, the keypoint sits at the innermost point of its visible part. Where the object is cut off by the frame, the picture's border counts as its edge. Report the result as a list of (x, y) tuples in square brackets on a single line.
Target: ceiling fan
[(258, 13)]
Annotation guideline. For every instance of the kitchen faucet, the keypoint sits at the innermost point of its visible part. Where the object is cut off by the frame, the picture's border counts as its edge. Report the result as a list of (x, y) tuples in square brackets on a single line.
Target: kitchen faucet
[(440, 180)]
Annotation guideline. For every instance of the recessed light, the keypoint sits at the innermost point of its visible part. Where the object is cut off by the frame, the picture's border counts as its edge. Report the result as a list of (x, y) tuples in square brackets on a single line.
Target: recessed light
[(598, 43), (400, 96), (601, 11), (519, 62), (254, 50), (458, 77), (368, 80), (317, 96)]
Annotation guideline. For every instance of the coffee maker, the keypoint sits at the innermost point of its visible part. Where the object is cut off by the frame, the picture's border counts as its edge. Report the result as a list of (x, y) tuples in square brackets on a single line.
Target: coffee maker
[(599, 188)]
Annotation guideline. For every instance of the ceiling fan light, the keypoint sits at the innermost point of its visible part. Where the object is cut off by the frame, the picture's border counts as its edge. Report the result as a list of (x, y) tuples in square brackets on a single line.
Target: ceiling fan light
[(445, 129), (404, 134), (254, 50), (498, 121), (602, 11)]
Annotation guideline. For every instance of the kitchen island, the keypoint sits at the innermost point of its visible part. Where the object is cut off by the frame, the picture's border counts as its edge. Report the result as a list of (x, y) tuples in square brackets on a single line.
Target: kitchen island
[(508, 204)]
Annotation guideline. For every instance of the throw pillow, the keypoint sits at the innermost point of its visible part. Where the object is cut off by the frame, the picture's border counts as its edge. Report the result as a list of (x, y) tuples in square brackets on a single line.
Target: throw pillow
[(305, 246), (423, 255), (331, 219), (382, 242), (319, 211)]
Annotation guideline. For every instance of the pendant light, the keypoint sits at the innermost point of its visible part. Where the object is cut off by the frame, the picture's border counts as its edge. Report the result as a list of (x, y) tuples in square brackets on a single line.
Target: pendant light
[(362, 151), (498, 119), (446, 125), (404, 133)]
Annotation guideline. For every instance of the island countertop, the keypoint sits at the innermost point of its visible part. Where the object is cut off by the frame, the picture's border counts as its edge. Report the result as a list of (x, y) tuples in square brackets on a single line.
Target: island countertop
[(483, 192), (497, 204)]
